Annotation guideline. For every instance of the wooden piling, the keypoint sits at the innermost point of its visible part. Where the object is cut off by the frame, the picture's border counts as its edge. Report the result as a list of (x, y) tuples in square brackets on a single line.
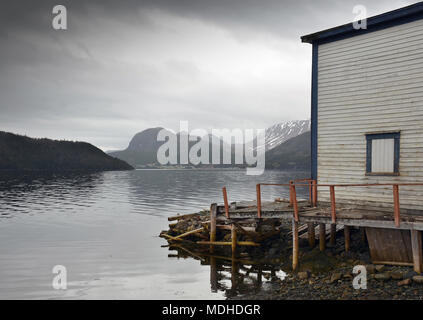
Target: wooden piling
[(416, 245), (311, 234), (347, 238), (295, 245), (213, 214), (234, 239), (322, 236), (332, 234)]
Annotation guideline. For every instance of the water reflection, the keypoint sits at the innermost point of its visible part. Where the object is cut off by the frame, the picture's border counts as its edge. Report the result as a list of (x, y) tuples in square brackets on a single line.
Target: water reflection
[(233, 277)]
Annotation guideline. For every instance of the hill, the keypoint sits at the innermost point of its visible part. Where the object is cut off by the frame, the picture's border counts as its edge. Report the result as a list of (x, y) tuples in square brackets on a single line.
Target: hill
[(293, 154), (23, 153)]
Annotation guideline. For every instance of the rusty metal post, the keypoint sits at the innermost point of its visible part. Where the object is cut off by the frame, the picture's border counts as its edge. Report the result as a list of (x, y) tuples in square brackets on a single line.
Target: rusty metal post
[(213, 214), (291, 202), (310, 192), (347, 238), (332, 202), (258, 200), (314, 193), (396, 205), (295, 245), (322, 236), (293, 193), (225, 200), (311, 234)]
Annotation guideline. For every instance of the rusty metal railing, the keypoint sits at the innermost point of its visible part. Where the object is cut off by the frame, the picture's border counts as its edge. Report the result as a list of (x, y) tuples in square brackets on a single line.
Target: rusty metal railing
[(312, 190)]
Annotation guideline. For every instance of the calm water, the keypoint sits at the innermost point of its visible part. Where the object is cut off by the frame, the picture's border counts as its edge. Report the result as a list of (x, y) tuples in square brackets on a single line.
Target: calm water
[(103, 227)]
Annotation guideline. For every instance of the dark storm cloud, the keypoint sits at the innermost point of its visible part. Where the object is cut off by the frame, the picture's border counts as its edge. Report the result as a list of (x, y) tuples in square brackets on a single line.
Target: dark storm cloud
[(123, 66)]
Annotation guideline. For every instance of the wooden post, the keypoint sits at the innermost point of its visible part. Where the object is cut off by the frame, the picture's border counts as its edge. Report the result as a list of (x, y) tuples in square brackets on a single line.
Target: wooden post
[(294, 201), (416, 244), (213, 214), (311, 234), (234, 240), (396, 205), (314, 193), (258, 200), (347, 238), (295, 245), (225, 200), (332, 234), (322, 236), (332, 201)]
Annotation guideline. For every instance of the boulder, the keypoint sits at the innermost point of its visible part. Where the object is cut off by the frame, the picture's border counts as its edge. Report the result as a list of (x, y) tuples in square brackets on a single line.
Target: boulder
[(418, 279), (335, 277), (405, 282)]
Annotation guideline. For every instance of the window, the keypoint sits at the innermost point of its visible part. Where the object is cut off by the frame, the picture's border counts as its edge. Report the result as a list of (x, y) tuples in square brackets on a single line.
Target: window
[(383, 153)]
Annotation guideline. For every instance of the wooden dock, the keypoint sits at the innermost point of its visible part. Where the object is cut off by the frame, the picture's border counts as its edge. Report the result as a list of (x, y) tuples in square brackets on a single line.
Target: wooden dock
[(394, 235)]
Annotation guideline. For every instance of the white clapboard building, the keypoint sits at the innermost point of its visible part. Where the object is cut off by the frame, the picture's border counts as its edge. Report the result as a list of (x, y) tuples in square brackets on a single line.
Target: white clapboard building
[(367, 108)]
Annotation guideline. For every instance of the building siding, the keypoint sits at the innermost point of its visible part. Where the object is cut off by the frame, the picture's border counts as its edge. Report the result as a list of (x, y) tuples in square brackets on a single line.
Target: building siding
[(367, 84)]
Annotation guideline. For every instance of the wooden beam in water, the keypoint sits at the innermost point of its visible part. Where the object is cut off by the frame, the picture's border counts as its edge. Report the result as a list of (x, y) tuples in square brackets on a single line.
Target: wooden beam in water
[(188, 233), (416, 245)]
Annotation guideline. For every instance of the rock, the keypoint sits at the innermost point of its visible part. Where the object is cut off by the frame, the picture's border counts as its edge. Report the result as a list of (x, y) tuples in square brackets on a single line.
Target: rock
[(382, 276), (397, 275), (348, 275), (405, 282), (410, 274), (380, 268), (418, 279), (303, 275), (370, 268), (335, 277)]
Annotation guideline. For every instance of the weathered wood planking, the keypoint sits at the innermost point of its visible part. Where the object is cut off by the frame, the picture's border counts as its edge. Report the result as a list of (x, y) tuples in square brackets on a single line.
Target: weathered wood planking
[(389, 245)]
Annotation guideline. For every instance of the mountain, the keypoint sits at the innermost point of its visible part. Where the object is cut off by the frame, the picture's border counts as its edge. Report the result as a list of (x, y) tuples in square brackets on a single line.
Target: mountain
[(142, 149), (281, 132), (23, 153), (293, 154)]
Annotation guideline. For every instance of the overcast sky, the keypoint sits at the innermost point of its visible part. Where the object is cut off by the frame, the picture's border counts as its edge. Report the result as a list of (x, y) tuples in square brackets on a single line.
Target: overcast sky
[(124, 66)]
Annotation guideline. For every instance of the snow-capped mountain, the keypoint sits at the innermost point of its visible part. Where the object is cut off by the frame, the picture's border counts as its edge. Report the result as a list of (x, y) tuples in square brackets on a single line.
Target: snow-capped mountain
[(281, 132)]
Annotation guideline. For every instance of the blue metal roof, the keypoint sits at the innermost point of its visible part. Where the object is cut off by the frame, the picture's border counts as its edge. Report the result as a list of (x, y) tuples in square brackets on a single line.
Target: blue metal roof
[(382, 21)]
